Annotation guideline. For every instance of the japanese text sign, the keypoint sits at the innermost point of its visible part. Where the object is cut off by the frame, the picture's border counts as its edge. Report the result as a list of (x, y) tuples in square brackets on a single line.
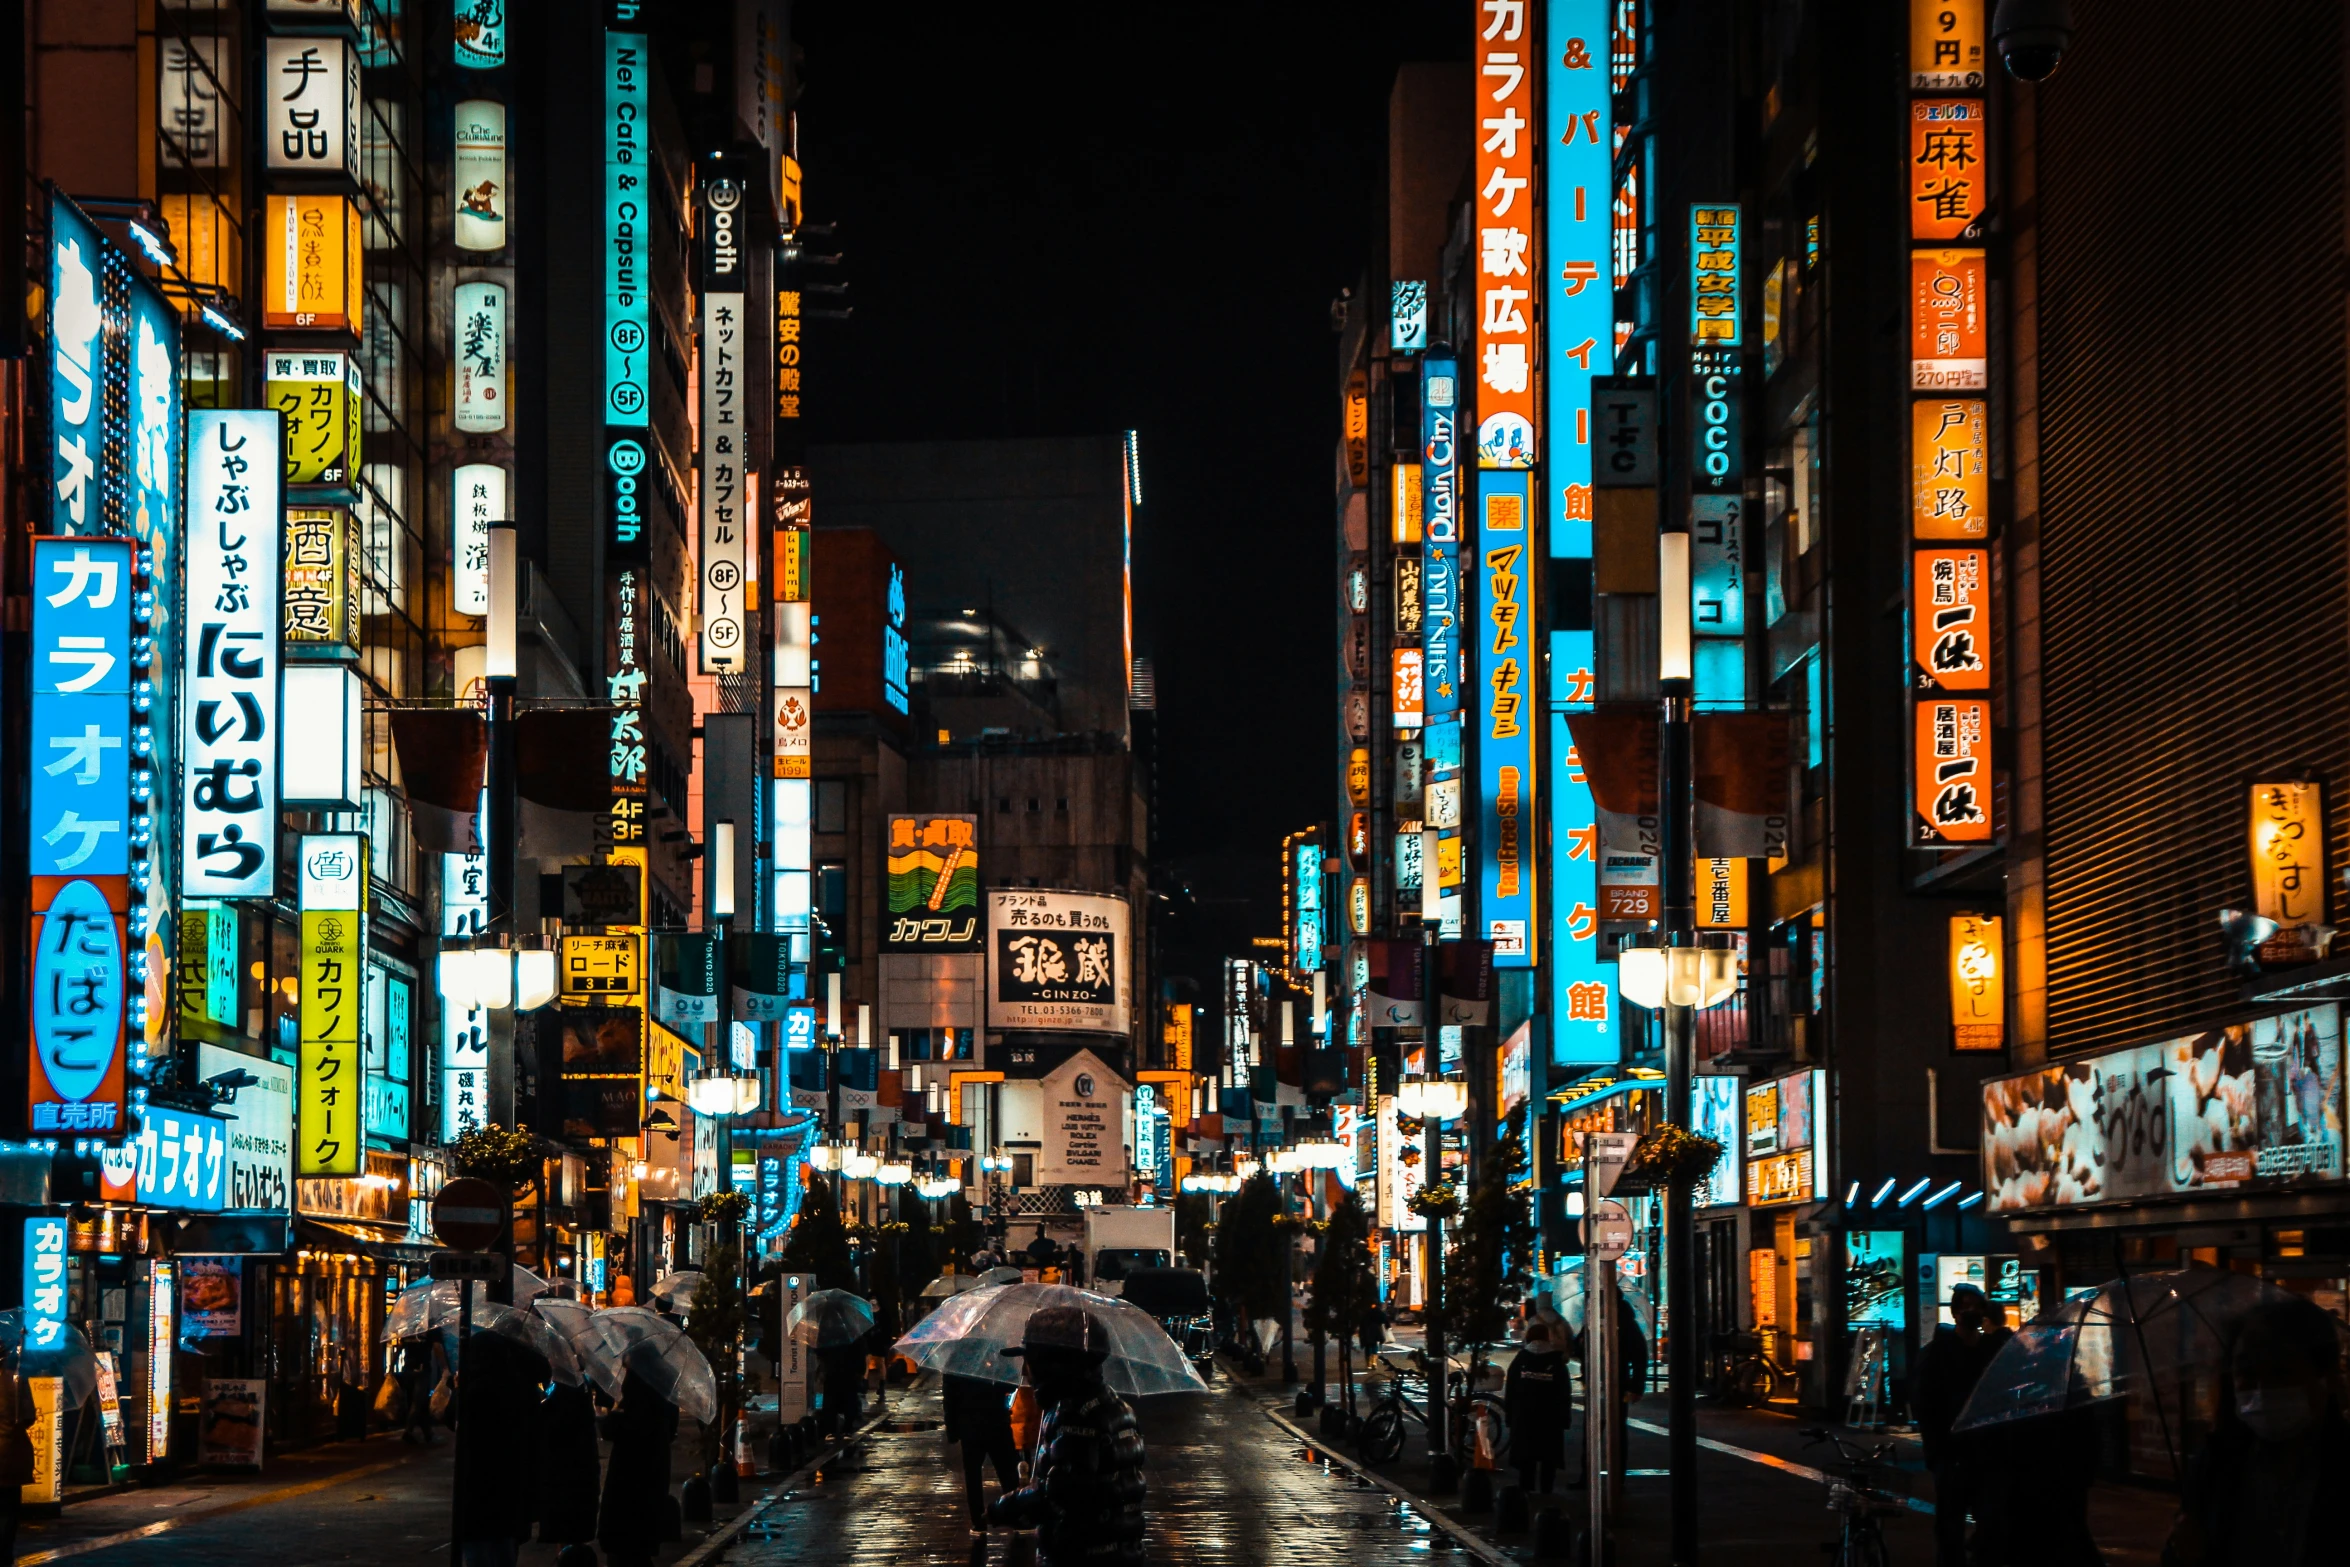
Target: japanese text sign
[(1405, 687), (83, 754), (319, 395), (724, 489), (312, 251), (1440, 545), (313, 95), (1950, 491), (1584, 1025), (2289, 852), (329, 1138), (931, 901), (228, 839), (1952, 772), (183, 1159), (1948, 330), (87, 376), (1503, 205), (1058, 960), (44, 1280), (1950, 619), (1504, 666), (478, 317), (479, 166), (81, 985), (1580, 302), (628, 228), (320, 605), (1945, 45), (1978, 992), (1946, 185), (1713, 277), (477, 497)]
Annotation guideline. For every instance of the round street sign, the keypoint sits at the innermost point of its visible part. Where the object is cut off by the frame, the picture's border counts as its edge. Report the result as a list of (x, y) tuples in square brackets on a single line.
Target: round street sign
[(1607, 1229), (468, 1214)]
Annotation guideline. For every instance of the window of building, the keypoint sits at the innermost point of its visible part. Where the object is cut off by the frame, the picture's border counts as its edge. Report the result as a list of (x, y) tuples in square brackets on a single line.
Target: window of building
[(832, 892), (832, 805)]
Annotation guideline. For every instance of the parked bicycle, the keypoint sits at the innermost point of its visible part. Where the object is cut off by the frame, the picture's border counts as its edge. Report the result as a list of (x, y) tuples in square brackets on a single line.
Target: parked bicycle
[(1751, 1378), (1858, 1490), (1471, 1414)]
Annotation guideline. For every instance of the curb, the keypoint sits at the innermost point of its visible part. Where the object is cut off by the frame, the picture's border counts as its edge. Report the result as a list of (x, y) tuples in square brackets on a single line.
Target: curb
[(723, 1536), (1476, 1544)]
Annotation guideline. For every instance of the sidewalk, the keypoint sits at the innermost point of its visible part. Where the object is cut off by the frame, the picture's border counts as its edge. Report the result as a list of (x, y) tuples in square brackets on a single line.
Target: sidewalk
[(1761, 1486)]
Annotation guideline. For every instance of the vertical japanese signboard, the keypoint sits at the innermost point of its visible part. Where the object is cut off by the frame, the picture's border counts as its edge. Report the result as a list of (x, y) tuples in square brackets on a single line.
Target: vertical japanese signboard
[(1951, 619), (931, 901), (44, 1280), (479, 167), (1440, 545), (479, 317), (229, 655), (1581, 303), (1508, 262), (319, 395), (1504, 565), (1301, 897), (477, 495), (1978, 994), (627, 290), (312, 251), (1583, 1022), (328, 1137), (725, 548), (313, 106), (2288, 852)]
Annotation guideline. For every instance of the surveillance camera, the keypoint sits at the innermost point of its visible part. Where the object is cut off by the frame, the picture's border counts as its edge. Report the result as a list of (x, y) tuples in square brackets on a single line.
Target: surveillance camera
[(2031, 36)]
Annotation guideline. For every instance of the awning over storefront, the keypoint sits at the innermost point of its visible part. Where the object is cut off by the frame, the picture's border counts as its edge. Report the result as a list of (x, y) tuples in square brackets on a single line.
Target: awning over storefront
[(228, 1234), (379, 1245)]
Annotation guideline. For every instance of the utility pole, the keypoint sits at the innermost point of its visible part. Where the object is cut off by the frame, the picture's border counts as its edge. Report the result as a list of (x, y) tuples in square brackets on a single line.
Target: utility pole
[(1442, 1475)]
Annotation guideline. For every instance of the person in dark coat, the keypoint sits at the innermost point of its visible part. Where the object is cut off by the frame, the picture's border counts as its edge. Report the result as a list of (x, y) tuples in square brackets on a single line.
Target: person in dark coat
[(2267, 1490), (1631, 1376), (1371, 1332), (632, 1516), (1953, 1362), (979, 1420), (421, 1364), (2046, 1468), (1084, 1497), (843, 1371), (567, 1463), (1538, 1397), (499, 1382)]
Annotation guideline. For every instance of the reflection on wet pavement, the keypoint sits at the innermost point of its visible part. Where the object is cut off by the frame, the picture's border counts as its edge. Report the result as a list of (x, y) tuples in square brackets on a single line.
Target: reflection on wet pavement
[(1226, 1487)]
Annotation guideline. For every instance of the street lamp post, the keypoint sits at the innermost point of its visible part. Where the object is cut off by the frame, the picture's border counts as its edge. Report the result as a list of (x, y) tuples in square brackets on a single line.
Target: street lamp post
[(1676, 843)]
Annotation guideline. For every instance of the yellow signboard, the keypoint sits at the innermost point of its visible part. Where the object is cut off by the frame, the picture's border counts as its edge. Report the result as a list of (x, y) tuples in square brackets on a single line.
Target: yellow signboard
[(1178, 1035), (2289, 853), (319, 396), (603, 971), (1945, 44), (311, 268), (1978, 998), (1950, 464), (329, 1139), (1721, 894), (321, 598)]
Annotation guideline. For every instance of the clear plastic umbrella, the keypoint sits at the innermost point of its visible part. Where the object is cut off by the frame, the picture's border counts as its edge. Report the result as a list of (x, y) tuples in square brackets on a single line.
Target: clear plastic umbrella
[(575, 1324), (997, 1275), (533, 1332), (948, 1284), (56, 1349), (2167, 1335), (657, 1349), (680, 1286), (1567, 1292), (968, 1335), (829, 1319), (420, 1308)]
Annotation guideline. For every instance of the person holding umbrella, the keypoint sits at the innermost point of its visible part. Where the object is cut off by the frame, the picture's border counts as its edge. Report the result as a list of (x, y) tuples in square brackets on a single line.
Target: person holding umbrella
[(1085, 1494), (1947, 1373), (2267, 1489), (979, 1420)]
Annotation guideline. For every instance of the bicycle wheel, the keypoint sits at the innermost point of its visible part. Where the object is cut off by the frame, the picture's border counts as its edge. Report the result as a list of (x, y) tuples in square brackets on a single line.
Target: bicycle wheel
[(1864, 1545), (1383, 1434), (1753, 1382)]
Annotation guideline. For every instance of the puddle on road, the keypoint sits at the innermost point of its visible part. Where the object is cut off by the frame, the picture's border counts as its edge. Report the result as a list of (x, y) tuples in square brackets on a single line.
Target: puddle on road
[(1422, 1535)]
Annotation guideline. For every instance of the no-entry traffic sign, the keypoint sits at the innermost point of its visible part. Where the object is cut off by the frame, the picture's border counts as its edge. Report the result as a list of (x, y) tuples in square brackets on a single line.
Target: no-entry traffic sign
[(468, 1214)]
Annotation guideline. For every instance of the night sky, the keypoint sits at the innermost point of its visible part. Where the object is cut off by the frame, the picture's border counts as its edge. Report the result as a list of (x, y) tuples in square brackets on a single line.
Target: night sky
[(1066, 220)]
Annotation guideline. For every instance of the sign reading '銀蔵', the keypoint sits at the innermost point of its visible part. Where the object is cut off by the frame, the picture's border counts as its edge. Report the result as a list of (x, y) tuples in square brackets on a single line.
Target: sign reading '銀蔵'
[(1058, 960)]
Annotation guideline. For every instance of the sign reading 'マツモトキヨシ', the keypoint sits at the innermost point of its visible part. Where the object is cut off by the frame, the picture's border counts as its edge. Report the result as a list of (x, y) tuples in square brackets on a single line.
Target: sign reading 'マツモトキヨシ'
[(1058, 960)]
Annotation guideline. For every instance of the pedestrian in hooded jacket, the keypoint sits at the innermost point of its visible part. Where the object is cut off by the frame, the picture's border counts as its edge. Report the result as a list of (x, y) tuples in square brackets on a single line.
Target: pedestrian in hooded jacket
[(1538, 1397), (1084, 1496), (635, 1506)]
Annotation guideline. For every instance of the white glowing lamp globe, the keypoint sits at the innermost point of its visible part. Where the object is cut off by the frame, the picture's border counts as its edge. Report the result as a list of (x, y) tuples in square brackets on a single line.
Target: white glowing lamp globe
[(1432, 1098), (857, 1164), (895, 1172), (1699, 977)]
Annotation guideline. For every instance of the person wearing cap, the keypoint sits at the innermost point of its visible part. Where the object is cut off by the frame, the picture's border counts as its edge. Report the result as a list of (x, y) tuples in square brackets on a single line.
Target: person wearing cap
[(1947, 1372), (1085, 1490)]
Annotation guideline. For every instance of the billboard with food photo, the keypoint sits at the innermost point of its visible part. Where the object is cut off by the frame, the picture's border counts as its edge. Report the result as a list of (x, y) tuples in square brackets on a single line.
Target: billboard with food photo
[(2253, 1102)]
